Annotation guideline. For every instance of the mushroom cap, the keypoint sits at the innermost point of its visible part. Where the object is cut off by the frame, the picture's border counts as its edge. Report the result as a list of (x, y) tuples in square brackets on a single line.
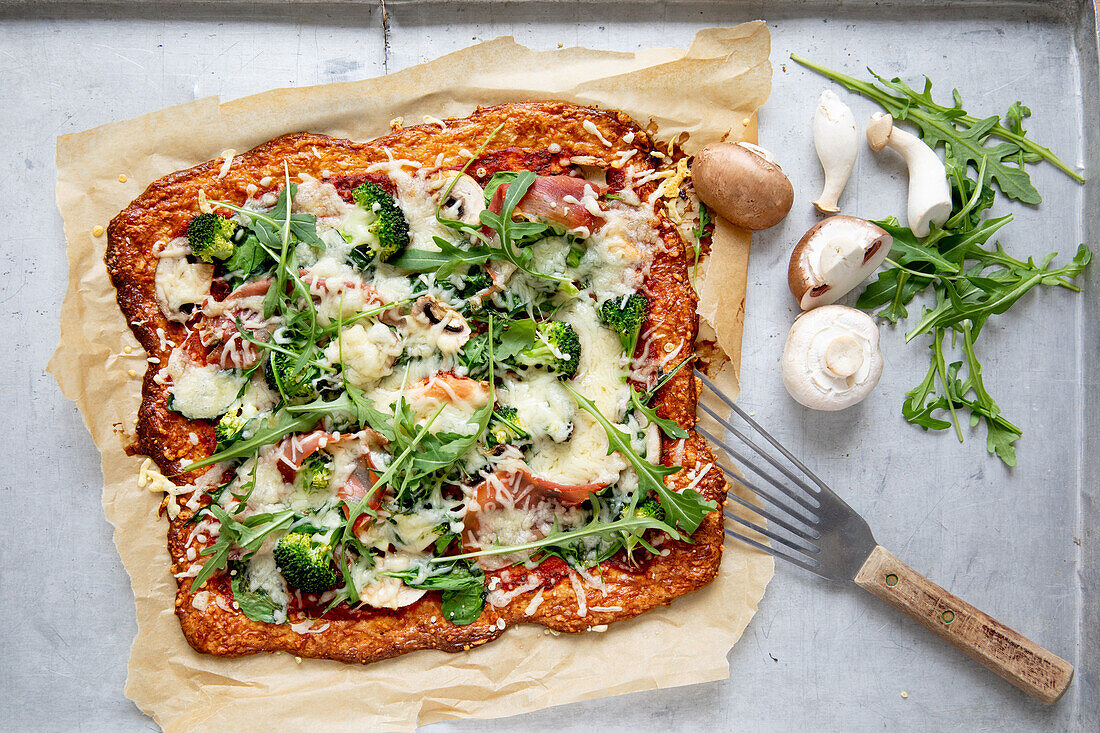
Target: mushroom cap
[(831, 359), (742, 185), (833, 257), (878, 130), (464, 201)]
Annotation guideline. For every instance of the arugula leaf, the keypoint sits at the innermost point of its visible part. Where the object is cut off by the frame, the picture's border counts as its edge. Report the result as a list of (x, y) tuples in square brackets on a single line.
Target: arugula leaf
[(668, 427), (445, 260), (255, 604), (517, 336), (1015, 116), (278, 426), (495, 181), (353, 403), (685, 509), (248, 258), (462, 607), (604, 530), (981, 297), (463, 587), (701, 231), (248, 534)]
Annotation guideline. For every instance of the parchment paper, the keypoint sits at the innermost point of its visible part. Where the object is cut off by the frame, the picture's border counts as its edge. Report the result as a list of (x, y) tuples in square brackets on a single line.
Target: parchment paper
[(709, 91)]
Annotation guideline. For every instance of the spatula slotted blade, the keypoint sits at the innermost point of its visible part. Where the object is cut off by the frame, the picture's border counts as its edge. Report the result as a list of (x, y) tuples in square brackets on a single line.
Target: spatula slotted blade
[(805, 523)]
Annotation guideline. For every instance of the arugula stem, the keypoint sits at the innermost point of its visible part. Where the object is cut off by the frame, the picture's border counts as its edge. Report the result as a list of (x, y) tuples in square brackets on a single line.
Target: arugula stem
[(632, 524), (957, 219), (937, 359)]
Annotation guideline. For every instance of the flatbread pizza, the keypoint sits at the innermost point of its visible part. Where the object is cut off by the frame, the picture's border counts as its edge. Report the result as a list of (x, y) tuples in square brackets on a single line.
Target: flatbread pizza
[(403, 394)]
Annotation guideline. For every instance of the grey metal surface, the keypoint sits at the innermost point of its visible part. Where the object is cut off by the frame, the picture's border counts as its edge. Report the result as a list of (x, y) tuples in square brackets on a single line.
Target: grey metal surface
[(1020, 544)]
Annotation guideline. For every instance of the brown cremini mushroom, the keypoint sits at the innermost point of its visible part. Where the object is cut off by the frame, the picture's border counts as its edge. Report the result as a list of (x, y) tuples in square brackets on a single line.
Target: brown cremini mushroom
[(743, 184), (835, 256)]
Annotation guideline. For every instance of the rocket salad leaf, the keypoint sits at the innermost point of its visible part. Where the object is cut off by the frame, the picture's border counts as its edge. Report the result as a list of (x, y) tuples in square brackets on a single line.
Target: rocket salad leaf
[(684, 510)]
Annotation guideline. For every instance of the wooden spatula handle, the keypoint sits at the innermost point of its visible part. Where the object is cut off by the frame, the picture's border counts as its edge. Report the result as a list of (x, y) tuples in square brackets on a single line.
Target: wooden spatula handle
[(1036, 671)]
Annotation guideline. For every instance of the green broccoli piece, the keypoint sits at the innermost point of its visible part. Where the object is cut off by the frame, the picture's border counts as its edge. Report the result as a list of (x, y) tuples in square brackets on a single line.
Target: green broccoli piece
[(229, 429), (650, 509), (506, 427), (556, 348), (624, 317), (315, 473), (281, 376), (211, 236), (305, 562), (389, 225)]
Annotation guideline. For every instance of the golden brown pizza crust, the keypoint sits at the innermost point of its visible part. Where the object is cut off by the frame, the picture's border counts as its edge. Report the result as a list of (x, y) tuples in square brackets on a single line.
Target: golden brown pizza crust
[(524, 140)]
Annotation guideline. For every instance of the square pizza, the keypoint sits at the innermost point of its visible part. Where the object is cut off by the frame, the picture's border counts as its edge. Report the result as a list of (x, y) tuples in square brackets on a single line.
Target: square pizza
[(406, 393)]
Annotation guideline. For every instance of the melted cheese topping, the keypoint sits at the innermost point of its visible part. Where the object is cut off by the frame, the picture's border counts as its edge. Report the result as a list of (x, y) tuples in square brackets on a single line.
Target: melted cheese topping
[(400, 350), (201, 392), (179, 283)]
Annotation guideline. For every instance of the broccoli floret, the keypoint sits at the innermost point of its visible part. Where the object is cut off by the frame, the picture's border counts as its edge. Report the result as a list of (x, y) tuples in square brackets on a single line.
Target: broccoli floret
[(389, 225), (229, 429), (624, 317), (315, 473), (650, 509), (305, 562), (281, 377), (556, 348), (506, 427), (211, 236)]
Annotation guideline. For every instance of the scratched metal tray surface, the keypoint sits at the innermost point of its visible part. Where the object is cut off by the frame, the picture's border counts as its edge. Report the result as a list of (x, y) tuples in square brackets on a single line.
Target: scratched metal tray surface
[(1020, 544)]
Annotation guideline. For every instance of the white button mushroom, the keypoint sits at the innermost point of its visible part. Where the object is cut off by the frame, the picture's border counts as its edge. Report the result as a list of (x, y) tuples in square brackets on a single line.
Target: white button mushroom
[(835, 256), (929, 193), (837, 143), (742, 183), (831, 360), (464, 200)]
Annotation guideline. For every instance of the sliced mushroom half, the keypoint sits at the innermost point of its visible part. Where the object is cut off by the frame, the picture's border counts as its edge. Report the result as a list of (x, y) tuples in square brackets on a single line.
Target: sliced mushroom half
[(449, 327), (835, 256), (831, 360), (464, 201)]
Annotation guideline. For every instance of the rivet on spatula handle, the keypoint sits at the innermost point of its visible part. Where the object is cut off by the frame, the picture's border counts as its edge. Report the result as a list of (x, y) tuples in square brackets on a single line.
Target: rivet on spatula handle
[(1036, 671)]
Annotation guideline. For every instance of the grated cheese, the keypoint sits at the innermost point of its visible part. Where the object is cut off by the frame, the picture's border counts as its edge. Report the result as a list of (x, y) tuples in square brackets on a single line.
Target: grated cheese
[(227, 162)]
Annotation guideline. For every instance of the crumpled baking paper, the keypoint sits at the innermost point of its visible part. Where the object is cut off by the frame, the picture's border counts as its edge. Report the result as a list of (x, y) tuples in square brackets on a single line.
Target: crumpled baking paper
[(710, 91)]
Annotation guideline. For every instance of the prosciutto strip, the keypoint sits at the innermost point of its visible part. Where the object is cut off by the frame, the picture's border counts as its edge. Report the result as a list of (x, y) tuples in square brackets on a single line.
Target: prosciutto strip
[(297, 448), (554, 199), (355, 488)]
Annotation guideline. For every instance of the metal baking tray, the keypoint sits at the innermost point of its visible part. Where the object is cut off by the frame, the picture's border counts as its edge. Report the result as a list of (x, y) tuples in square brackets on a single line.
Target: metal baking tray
[(1020, 544)]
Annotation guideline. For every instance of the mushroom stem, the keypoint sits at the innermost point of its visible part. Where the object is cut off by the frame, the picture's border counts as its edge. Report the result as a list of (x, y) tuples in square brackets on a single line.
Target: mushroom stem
[(844, 356), (837, 143), (929, 193)]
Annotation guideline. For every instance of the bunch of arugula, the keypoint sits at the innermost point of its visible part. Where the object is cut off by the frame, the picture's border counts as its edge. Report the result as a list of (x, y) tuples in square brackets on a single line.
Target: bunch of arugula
[(968, 280)]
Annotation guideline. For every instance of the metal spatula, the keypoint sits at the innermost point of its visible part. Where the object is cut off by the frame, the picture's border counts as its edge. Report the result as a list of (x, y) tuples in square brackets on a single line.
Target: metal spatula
[(812, 527)]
